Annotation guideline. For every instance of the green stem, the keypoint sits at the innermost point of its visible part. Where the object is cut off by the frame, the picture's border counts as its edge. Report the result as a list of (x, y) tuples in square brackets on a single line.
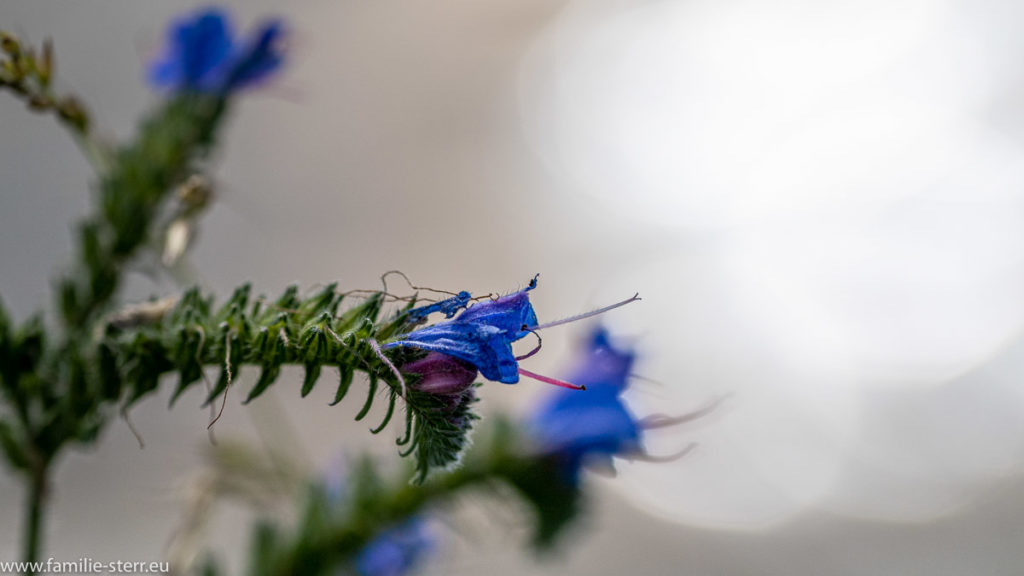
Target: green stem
[(34, 514)]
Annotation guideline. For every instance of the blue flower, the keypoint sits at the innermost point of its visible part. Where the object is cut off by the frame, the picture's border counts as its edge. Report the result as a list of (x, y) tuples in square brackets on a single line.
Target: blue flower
[(396, 551), (593, 426), (203, 56), (481, 335)]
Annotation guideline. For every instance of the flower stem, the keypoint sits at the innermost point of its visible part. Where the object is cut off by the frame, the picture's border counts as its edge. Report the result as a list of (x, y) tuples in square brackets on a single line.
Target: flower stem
[(34, 514)]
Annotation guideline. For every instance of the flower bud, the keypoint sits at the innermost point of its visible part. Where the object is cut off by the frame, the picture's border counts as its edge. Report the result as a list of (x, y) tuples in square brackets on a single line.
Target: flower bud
[(9, 44), (441, 374)]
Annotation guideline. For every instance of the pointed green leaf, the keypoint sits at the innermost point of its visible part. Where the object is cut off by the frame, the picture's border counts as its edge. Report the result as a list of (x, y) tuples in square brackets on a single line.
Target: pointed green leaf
[(387, 415), (268, 375), (345, 376), (408, 428), (369, 398), (312, 373)]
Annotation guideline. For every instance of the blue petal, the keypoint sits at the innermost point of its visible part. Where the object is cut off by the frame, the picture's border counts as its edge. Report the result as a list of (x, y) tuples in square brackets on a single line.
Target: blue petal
[(603, 366), (259, 60), (581, 427), (586, 423), (481, 335), (508, 313), (202, 55), (207, 46), (396, 551), (449, 307), (198, 48), (486, 347)]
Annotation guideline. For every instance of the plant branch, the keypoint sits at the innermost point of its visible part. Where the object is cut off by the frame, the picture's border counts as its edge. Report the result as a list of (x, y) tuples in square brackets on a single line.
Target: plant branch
[(333, 528), (35, 513), (184, 336)]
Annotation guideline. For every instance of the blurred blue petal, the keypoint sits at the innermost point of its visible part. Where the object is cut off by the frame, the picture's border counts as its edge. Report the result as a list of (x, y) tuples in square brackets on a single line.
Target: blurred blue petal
[(258, 61), (396, 551), (202, 55), (581, 426)]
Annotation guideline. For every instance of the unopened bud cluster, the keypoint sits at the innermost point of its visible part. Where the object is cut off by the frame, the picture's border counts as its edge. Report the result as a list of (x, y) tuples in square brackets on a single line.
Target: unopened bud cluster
[(29, 74)]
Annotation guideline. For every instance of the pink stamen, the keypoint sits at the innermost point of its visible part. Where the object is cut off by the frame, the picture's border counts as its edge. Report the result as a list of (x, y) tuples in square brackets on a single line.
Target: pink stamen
[(586, 314), (548, 380)]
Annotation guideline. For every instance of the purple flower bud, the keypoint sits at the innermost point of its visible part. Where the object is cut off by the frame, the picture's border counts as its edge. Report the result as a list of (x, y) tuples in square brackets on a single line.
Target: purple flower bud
[(441, 374)]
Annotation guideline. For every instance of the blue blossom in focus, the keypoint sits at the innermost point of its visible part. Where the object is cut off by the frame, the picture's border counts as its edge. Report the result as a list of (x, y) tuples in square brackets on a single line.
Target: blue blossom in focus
[(579, 428), (482, 335), (398, 550), (202, 54)]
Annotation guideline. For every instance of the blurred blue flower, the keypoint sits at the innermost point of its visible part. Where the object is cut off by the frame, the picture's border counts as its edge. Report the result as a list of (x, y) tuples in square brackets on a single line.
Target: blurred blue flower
[(397, 551), (593, 426), (482, 335), (202, 55)]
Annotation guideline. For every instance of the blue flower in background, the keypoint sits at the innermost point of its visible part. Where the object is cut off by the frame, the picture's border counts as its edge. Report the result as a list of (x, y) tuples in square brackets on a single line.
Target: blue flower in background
[(397, 551), (482, 335), (592, 426), (601, 366), (202, 54)]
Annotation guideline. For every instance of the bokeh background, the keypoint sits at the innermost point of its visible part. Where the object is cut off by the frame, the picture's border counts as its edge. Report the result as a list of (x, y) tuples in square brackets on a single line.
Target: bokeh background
[(821, 203)]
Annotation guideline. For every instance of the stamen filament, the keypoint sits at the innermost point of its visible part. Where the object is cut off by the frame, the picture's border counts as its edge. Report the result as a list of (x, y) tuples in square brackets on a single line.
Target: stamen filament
[(655, 421), (645, 457), (549, 380), (540, 344), (586, 314)]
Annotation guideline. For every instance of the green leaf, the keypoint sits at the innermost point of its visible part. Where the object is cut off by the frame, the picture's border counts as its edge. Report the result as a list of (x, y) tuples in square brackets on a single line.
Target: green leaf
[(345, 376), (408, 428), (554, 502), (268, 375), (371, 392), (12, 446), (310, 378), (264, 548), (387, 416)]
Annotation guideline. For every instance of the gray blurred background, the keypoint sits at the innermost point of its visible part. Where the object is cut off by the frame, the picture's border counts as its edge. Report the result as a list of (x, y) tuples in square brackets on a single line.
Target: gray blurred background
[(820, 202)]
